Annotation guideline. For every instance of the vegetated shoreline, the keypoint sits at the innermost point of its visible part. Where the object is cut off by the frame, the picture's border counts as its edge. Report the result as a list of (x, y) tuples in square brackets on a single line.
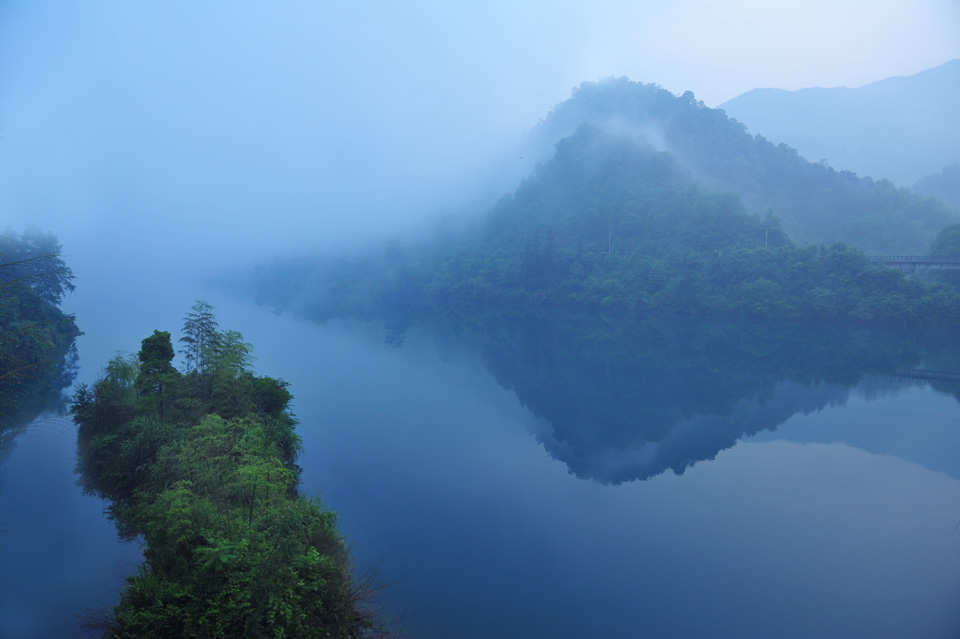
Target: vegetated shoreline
[(201, 465), (610, 223), (37, 352), (831, 285)]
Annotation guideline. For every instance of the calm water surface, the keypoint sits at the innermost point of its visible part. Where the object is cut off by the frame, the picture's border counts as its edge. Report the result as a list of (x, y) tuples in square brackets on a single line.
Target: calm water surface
[(530, 478)]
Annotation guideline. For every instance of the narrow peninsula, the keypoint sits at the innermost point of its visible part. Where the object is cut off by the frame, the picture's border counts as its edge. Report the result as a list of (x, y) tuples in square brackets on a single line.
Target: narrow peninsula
[(201, 465)]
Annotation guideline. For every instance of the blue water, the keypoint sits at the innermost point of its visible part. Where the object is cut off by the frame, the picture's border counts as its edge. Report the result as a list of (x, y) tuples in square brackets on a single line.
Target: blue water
[(440, 475), (59, 554), (833, 513)]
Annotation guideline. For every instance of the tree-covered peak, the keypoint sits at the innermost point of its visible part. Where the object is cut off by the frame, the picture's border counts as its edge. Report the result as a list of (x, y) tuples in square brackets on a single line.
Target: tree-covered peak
[(818, 204), (611, 193), (614, 98)]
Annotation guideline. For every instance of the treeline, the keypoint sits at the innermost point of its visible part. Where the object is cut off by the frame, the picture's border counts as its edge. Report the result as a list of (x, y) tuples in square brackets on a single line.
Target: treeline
[(611, 223), (201, 464), (944, 185), (36, 337)]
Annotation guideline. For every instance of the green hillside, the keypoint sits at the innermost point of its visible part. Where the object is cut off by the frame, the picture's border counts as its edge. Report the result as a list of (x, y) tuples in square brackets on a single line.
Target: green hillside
[(817, 204), (609, 222)]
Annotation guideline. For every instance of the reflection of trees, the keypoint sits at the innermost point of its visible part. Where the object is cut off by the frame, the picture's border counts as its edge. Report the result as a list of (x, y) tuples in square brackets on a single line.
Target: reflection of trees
[(37, 353), (24, 399), (628, 399)]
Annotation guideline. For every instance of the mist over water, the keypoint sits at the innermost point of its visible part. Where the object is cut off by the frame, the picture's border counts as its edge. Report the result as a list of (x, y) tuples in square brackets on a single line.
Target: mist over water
[(178, 135), (173, 147), (174, 136)]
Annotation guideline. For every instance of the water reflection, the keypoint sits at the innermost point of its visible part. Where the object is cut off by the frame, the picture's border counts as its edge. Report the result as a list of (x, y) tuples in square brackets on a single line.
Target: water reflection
[(27, 395), (417, 436), (433, 467), (626, 399)]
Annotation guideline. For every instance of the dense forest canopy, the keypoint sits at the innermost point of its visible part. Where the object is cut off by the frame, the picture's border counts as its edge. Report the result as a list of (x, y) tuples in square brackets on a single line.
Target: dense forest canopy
[(201, 464)]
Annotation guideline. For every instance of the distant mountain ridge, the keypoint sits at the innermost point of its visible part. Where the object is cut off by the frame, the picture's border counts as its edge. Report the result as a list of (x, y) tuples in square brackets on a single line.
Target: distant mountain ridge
[(817, 204), (900, 128), (944, 185)]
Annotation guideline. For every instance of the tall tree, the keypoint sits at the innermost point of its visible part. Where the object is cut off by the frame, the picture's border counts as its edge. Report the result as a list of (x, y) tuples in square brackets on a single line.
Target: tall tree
[(232, 379), (234, 356), (33, 259), (156, 371), (201, 339)]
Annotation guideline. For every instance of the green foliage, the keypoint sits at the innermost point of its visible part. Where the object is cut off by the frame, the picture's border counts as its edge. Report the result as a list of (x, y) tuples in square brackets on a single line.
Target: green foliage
[(947, 243), (947, 246), (592, 228), (156, 369), (200, 338), (36, 337), (33, 259), (231, 549)]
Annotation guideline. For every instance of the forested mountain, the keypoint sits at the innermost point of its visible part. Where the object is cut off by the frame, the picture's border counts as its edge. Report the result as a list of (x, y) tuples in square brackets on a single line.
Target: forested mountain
[(649, 210), (901, 128), (817, 204), (609, 222)]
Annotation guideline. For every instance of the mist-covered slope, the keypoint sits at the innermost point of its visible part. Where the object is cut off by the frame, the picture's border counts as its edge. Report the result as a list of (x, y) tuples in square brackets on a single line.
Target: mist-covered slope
[(817, 204), (945, 184), (900, 128), (609, 222), (645, 205)]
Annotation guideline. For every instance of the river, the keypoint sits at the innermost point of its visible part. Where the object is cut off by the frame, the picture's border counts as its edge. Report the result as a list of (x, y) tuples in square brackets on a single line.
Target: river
[(555, 477)]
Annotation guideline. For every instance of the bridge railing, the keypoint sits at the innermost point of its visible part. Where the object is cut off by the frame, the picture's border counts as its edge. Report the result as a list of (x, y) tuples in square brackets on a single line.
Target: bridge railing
[(915, 375), (915, 261), (903, 258)]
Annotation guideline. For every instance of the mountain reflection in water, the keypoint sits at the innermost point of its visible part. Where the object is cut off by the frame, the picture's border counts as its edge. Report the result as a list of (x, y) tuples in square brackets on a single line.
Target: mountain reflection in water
[(626, 399)]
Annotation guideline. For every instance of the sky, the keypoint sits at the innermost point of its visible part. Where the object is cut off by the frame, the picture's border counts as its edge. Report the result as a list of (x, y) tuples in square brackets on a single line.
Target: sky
[(220, 130)]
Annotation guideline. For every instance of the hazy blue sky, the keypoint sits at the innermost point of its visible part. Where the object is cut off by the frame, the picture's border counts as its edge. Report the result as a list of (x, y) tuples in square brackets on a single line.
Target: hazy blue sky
[(174, 126)]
